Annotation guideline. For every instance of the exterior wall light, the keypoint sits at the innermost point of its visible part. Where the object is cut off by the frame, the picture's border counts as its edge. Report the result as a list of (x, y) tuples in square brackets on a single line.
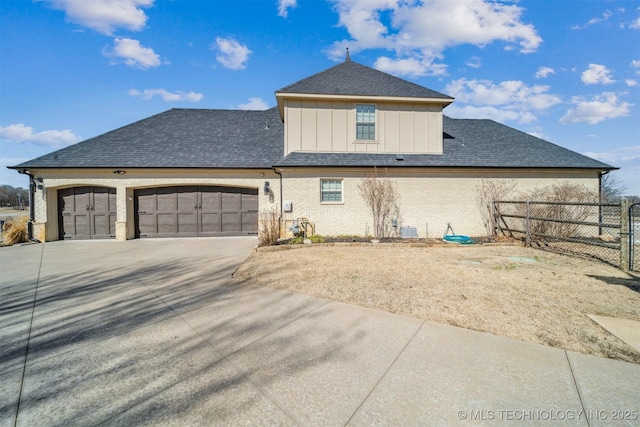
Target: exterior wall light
[(267, 188)]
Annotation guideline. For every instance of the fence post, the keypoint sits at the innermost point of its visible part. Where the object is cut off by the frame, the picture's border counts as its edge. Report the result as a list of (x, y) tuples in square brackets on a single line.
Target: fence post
[(624, 234), (492, 219), (527, 225)]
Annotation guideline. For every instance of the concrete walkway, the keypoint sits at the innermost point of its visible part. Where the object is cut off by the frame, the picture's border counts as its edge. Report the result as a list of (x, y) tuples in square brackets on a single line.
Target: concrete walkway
[(156, 332)]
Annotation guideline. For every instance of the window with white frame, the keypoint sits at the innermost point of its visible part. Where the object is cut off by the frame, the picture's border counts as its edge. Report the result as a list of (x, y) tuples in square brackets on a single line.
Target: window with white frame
[(331, 190), (365, 122)]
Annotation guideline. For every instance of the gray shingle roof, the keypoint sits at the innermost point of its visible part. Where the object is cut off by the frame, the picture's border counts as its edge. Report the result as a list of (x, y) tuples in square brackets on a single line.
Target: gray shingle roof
[(179, 138), (351, 78), (194, 138), (468, 143)]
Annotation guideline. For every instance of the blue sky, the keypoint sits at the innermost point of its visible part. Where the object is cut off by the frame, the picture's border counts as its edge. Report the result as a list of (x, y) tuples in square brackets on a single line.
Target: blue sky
[(565, 70)]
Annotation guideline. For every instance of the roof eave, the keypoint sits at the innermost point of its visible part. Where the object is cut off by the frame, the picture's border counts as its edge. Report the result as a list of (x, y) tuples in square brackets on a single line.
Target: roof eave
[(280, 96), (405, 165), (229, 167)]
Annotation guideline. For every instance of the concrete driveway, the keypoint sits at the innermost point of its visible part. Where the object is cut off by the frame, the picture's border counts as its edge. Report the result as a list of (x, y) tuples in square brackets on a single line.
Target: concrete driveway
[(156, 332)]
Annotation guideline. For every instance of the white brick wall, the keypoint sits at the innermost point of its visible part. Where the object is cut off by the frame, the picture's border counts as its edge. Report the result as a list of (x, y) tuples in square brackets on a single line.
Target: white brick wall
[(428, 200)]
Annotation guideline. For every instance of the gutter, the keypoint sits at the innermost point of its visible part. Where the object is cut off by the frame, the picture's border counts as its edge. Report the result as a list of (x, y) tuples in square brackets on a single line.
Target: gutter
[(280, 174), (601, 174), (32, 208), (600, 177)]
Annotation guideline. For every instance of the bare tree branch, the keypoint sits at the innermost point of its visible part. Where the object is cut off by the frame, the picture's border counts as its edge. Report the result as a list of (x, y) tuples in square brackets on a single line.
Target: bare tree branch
[(382, 197)]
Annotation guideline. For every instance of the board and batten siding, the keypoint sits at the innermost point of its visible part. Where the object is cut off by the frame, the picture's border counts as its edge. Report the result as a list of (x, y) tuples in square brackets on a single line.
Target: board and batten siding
[(330, 126)]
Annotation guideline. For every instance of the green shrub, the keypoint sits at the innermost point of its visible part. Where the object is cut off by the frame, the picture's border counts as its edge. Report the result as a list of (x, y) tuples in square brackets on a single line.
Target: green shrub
[(316, 238), (298, 240)]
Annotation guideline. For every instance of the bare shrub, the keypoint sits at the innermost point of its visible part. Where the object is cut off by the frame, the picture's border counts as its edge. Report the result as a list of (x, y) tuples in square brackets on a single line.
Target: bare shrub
[(15, 231), (382, 198), (612, 188), (269, 227), (488, 191), (563, 192)]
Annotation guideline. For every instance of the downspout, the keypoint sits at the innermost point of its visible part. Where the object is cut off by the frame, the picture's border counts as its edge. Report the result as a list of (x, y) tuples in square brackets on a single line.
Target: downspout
[(32, 208), (280, 174), (601, 208), (600, 175)]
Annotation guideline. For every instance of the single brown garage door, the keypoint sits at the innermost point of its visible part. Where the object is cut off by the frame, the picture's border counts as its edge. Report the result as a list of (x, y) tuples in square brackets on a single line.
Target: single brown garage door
[(196, 211), (87, 213)]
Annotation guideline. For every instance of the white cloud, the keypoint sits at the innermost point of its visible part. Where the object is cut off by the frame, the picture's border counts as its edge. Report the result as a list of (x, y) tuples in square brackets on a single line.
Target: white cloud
[(511, 100), (493, 113), (631, 82), (621, 154), (233, 55), (474, 62), (285, 5), (133, 53), (636, 64), (594, 110), (597, 74), (166, 95), (514, 94), (605, 16), (105, 16), (411, 67), (419, 32), (544, 72), (635, 25), (51, 138), (254, 104)]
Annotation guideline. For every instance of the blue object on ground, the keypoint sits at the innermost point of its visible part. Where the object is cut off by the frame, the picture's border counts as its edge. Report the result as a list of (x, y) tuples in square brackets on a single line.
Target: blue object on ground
[(459, 238), (456, 238)]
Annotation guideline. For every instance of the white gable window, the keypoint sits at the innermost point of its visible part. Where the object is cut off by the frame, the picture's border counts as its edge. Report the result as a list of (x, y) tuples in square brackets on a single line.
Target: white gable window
[(331, 190), (365, 122)]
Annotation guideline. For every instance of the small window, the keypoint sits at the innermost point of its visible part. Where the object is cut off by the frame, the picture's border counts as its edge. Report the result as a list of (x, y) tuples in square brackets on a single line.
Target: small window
[(365, 122), (331, 190)]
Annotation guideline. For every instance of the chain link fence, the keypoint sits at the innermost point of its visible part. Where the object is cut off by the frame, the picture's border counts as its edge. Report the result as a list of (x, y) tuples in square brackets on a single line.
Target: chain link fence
[(634, 237), (586, 229)]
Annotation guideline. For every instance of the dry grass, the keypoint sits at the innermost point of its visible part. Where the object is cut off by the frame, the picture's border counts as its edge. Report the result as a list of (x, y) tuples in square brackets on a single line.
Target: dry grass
[(545, 300), (15, 231)]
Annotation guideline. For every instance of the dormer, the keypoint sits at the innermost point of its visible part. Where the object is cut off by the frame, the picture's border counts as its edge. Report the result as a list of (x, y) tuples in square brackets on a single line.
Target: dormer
[(354, 108)]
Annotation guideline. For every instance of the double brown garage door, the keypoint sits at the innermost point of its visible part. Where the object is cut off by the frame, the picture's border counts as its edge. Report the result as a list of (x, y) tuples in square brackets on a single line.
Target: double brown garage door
[(196, 211), (90, 212)]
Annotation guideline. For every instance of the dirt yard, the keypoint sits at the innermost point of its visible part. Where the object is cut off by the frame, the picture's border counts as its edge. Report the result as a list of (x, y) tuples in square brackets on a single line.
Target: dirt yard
[(518, 292)]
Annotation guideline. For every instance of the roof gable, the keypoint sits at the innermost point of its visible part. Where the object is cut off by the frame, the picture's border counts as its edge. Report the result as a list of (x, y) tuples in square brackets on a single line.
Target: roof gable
[(352, 79)]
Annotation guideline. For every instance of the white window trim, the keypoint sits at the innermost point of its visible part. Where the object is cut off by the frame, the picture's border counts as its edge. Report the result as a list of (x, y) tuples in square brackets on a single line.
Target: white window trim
[(341, 202), (375, 123)]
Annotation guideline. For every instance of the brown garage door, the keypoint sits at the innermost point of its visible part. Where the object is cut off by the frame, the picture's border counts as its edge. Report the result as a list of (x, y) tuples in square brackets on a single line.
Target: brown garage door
[(87, 213), (196, 211)]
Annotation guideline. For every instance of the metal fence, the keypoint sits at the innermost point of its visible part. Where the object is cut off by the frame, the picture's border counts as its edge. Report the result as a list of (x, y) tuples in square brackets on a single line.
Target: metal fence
[(597, 230)]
